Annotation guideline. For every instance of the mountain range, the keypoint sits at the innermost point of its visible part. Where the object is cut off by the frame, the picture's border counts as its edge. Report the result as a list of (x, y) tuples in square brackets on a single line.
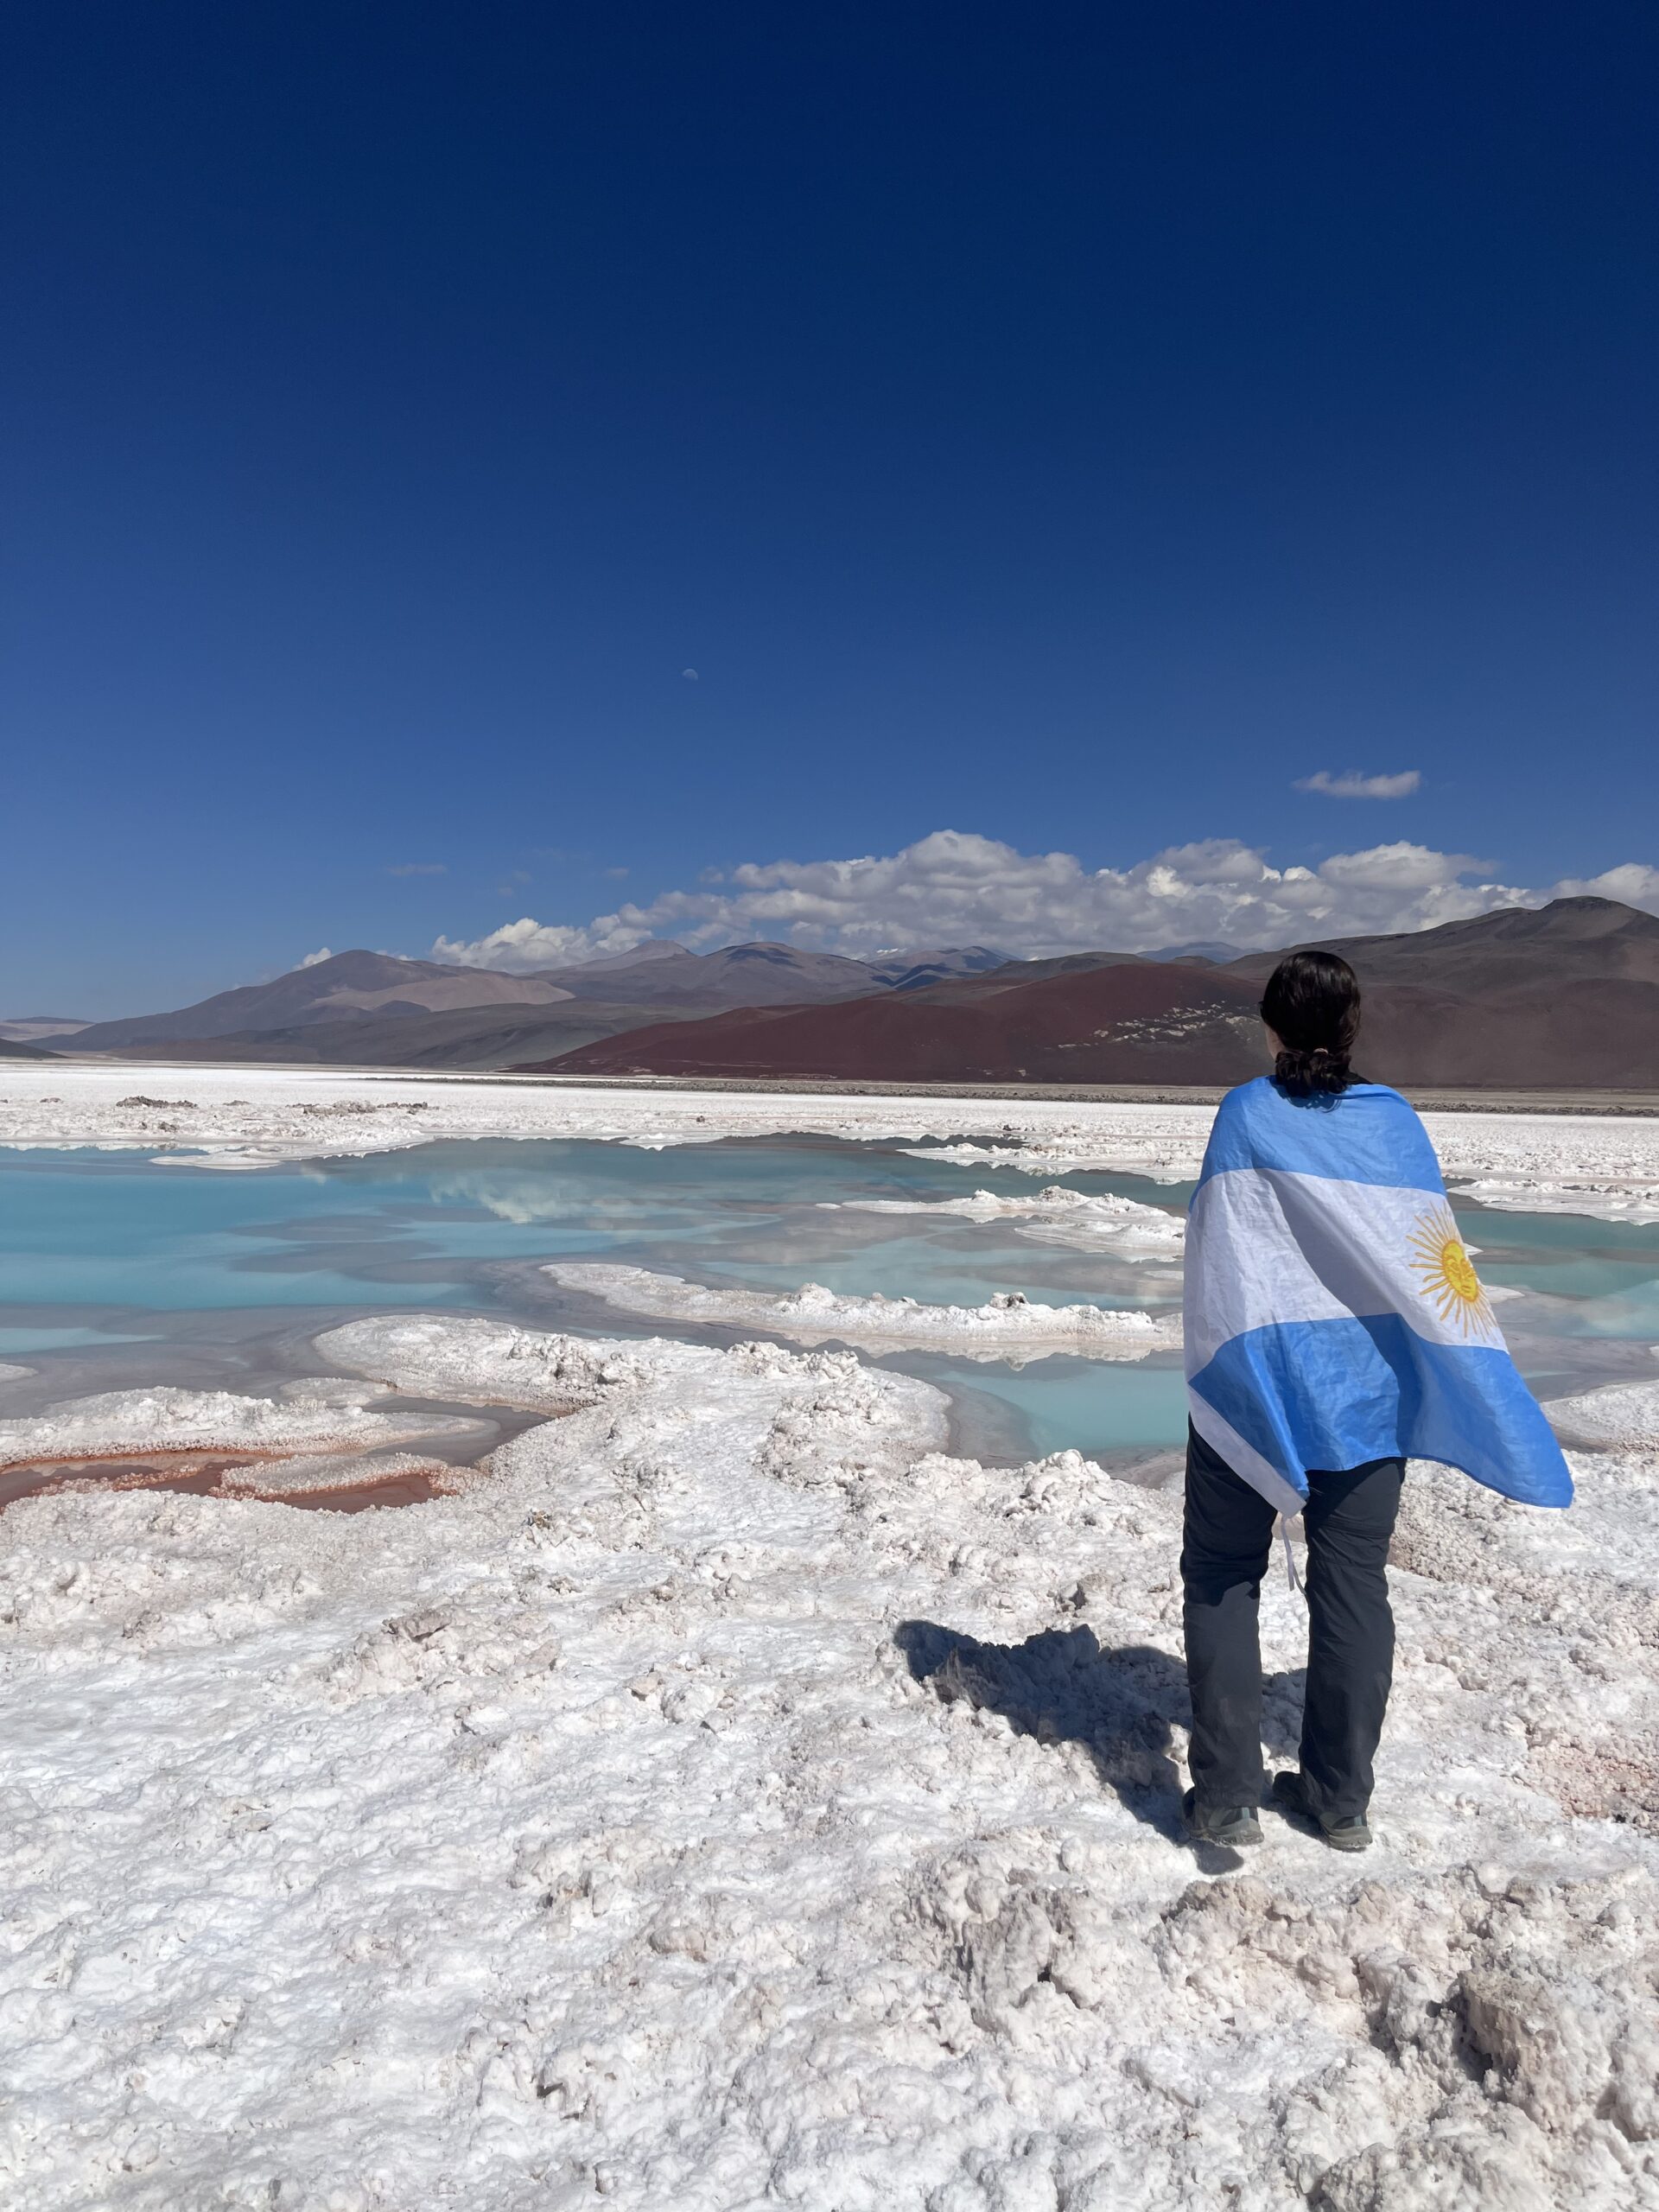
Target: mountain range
[(373, 1009), (1565, 995)]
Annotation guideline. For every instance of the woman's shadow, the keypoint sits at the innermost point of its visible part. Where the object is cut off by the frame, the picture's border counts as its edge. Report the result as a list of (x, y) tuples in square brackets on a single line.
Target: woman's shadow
[(1121, 1705)]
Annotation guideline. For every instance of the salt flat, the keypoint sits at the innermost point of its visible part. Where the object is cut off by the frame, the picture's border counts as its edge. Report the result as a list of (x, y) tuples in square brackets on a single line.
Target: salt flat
[(731, 1800)]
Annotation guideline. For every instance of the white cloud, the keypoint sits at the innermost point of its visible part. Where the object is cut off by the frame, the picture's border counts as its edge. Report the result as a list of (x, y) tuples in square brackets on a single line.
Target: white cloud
[(1633, 884), (312, 959), (1393, 870), (523, 944), (418, 867), (1351, 785), (956, 888)]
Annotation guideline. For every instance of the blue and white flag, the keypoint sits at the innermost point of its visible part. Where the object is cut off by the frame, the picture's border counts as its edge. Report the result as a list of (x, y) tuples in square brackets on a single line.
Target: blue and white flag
[(1332, 1315)]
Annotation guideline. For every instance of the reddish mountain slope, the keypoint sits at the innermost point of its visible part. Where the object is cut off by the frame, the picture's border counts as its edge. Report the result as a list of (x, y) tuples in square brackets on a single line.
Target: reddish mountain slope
[(1130, 1023)]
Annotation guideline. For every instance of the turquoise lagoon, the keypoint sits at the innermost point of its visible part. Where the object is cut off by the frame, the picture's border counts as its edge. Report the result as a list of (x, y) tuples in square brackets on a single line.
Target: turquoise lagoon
[(115, 1267)]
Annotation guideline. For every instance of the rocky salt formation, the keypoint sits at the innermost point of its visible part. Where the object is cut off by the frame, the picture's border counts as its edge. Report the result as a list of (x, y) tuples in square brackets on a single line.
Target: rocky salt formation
[(733, 1801)]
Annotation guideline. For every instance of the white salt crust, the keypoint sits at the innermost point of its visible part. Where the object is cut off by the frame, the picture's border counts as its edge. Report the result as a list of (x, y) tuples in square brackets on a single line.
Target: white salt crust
[(734, 1802), (1055, 1215), (814, 1316), (317, 1413), (1625, 1416)]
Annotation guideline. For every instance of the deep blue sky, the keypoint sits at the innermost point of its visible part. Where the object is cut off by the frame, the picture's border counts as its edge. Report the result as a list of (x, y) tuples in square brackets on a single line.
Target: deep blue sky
[(1070, 423)]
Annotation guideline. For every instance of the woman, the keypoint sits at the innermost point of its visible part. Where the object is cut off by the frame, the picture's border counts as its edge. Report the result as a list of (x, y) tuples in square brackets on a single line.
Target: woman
[(1335, 1328)]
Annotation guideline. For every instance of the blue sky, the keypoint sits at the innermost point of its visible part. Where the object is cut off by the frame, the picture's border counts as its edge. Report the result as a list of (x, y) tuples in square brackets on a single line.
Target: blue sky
[(1068, 427)]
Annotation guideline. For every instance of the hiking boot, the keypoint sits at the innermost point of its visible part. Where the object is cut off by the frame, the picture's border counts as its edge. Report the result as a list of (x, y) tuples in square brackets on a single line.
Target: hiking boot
[(1228, 1824), (1348, 1832)]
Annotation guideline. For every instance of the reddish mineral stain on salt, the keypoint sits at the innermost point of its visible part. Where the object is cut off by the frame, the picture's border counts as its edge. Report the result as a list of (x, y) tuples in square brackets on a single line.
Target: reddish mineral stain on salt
[(202, 1474)]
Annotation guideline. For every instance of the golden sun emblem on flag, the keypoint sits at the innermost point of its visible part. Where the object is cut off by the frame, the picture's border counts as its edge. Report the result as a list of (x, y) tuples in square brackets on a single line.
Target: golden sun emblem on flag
[(1446, 1275)]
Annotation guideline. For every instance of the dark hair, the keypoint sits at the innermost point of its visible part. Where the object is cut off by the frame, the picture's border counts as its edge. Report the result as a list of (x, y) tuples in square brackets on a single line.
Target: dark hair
[(1311, 1005)]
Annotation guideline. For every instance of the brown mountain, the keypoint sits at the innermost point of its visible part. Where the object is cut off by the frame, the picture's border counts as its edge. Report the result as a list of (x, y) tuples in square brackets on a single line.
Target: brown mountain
[(915, 971), (737, 975), (1586, 1036), (1565, 997), (1569, 941), (1131, 1022), (371, 1009), (349, 986), (1559, 997), (463, 1037), (967, 989)]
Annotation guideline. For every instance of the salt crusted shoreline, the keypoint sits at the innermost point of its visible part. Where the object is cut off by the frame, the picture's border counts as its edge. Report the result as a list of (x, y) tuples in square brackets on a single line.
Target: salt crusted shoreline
[(230, 1117), (732, 1801), (814, 1315)]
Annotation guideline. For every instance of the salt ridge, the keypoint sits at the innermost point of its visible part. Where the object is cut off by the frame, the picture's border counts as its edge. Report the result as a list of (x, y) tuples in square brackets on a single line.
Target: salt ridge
[(1102, 1223), (817, 1315)]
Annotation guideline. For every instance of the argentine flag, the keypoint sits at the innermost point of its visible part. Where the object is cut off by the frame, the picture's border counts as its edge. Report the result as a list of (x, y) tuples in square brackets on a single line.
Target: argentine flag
[(1332, 1315)]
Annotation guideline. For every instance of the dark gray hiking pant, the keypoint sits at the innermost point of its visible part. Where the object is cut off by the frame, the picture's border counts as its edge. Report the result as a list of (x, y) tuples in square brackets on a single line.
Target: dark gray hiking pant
[(1348, 1519)]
